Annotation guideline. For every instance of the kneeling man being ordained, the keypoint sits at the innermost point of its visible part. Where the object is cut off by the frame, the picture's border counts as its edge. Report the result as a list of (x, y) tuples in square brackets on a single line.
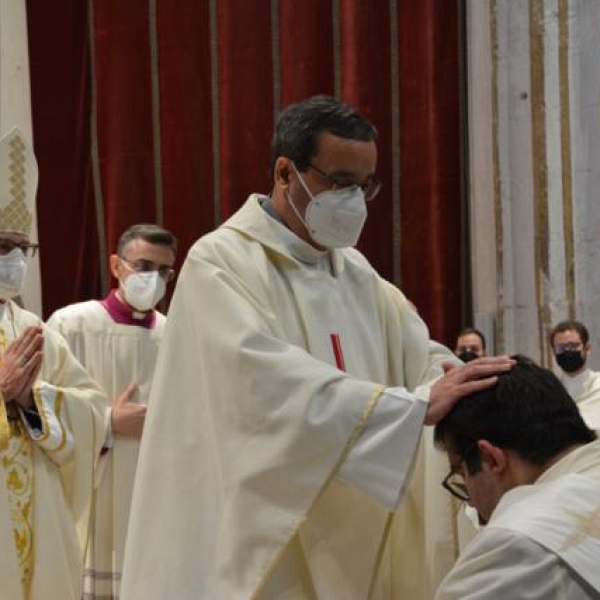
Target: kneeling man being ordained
[(521, 454)]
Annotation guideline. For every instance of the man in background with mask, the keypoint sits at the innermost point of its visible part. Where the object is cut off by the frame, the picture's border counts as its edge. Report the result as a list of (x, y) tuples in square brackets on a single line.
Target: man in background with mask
[(571, 346), (279, 445), (51, 417), (117, 340), (470, 344)]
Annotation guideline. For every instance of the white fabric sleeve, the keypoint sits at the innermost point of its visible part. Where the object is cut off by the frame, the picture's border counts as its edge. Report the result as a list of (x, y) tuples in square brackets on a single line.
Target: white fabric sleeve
[(381, 460), (501, 564), (55, 436)]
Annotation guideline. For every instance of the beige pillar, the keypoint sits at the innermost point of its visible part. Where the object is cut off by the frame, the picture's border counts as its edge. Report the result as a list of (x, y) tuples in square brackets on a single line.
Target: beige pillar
[(534, 94)]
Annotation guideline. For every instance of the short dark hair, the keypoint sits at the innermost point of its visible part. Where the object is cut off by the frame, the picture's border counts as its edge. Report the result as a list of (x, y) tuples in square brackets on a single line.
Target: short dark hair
[(299, 126), (527, 411), (472, 330), (570, 325), (153, 234)]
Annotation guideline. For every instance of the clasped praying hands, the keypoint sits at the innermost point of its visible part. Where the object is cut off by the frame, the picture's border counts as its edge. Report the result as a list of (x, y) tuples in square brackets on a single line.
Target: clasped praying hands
[(20, 366)]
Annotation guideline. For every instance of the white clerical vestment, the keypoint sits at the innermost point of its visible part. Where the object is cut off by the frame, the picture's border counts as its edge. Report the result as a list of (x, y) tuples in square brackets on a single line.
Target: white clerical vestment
[(542, 541), (585, 390), (115, 354), (268, 403), (46, 472)]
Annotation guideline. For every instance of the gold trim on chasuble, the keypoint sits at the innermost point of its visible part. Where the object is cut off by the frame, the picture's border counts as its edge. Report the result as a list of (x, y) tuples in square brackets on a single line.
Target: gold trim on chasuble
[(358, 429), (16, 459), (43, 413), (37, 398), (4, 426)]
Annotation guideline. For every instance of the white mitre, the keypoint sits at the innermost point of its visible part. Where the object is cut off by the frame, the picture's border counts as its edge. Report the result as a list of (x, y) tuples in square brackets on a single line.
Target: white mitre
[(18, 183)]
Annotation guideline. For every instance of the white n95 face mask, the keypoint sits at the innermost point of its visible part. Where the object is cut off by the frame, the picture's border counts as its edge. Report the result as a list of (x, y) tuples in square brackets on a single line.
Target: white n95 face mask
[(144, 290), (12, 273), (334, 218)]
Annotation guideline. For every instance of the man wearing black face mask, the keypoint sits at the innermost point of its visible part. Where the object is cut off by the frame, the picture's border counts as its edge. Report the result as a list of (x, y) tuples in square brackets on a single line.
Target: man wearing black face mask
[(470, 344), (571, 346)]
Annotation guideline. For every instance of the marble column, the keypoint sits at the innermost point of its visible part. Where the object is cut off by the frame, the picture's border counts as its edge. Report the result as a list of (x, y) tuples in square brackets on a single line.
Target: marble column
[(534, 140)]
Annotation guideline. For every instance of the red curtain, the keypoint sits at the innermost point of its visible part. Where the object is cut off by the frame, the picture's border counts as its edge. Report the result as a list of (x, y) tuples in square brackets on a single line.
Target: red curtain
[(186, 95), (430, 163), (60, 89)]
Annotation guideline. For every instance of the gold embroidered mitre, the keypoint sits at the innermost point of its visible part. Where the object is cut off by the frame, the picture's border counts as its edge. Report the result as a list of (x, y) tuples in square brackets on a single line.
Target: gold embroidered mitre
[(18, 183)]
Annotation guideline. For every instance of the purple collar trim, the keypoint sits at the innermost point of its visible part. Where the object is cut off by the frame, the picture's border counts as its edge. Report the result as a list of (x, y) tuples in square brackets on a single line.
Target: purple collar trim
[(125, 315)]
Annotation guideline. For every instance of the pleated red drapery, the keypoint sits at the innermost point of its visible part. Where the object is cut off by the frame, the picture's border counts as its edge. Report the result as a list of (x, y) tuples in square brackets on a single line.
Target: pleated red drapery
[(430, 167), (186, 94), (60, 89)]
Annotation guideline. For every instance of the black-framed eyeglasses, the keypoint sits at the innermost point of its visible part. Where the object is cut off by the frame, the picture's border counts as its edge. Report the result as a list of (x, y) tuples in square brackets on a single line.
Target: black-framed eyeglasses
[(166, 272), (455, 482), (370, 187), (7, 246)]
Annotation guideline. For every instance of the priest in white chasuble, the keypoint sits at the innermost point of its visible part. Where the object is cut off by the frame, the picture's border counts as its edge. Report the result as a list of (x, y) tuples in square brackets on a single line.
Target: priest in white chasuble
[(117, 340), (290, 393), (51, 425)]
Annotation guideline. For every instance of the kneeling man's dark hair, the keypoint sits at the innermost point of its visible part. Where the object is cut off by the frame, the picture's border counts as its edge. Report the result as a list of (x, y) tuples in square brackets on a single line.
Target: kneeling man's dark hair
[(528, 411)]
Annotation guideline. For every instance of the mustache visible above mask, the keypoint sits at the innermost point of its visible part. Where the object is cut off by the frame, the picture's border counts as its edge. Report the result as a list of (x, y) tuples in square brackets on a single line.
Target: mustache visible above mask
[(144, 291), (13, 267)]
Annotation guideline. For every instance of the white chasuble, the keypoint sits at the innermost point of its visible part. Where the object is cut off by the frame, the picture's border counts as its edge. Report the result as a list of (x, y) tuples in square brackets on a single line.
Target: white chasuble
[(268, 379), (47, 472)]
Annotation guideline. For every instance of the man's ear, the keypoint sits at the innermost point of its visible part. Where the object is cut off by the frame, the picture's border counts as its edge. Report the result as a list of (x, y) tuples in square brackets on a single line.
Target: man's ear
[(283, 171), (113, 262), (588, 348), (496, 458)]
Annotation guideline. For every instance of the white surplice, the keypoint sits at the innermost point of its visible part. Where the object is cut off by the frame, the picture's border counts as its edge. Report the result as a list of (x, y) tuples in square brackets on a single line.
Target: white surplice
[(542, 541), (267, 404), (585, 390), (47, 472), (114, 355)]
